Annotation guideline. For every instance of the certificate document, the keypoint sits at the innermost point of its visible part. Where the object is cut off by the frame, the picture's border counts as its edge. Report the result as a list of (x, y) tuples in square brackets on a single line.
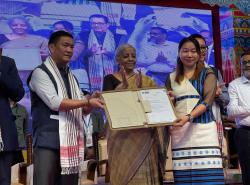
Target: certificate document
[(161, 106), (140, 108)]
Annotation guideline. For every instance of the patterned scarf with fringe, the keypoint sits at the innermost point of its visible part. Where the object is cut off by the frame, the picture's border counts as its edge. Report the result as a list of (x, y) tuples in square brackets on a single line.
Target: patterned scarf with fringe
[(100, 65), (70, 124)]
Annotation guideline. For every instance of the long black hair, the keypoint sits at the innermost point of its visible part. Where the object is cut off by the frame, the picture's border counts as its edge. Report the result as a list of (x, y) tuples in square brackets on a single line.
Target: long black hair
[(180, 67)]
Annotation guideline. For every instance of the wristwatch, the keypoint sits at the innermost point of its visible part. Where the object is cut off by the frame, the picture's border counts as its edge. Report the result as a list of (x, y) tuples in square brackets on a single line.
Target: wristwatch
[(190, 118)]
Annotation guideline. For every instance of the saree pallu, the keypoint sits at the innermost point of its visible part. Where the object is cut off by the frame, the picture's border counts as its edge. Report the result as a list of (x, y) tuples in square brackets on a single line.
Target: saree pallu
[(195, 147), (134, 154), (148, 171)]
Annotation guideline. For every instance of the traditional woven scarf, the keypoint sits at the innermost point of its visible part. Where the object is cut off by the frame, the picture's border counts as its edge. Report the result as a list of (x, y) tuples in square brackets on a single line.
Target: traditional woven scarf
[(100, 64), (1, 141), (70, 124), (217, 114)]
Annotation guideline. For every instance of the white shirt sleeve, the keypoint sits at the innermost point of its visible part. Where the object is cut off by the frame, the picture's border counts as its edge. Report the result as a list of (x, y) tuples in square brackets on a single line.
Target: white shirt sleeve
[(42, 85), (235, 110)]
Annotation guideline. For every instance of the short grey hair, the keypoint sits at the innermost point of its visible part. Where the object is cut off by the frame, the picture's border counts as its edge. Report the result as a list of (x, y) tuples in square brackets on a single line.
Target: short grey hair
[(120, 50), (22, 18)]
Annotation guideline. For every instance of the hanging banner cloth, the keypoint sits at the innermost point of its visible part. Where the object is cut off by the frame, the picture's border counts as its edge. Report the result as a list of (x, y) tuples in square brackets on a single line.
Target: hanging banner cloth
[(243, 5)]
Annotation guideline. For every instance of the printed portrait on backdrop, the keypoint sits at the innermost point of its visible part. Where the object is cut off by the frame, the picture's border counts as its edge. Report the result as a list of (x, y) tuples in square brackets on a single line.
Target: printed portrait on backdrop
[(98, 29)]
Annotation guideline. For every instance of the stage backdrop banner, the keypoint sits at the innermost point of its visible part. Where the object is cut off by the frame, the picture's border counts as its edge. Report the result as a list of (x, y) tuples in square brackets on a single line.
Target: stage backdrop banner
[(142, 26)]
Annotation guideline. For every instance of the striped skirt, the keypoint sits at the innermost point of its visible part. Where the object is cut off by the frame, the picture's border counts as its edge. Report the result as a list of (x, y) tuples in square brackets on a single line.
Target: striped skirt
[(197, 155)]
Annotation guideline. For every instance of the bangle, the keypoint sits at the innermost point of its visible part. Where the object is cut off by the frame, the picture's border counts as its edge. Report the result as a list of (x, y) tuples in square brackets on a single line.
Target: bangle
[(190, 118)]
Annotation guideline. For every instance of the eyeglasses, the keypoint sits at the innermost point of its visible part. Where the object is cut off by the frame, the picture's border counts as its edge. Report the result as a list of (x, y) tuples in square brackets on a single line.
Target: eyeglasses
[(245, 62), (154, 33), (204, 48), (97, 23)]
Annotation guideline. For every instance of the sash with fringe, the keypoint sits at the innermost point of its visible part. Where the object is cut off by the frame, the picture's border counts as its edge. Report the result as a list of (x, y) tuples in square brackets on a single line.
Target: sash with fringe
[(184, 89), (219, 124), (100, 65), (217, 115), (70, 124)]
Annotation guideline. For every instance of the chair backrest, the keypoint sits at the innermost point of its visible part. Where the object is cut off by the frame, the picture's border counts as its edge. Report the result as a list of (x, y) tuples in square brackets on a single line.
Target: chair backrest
[(29, 149)]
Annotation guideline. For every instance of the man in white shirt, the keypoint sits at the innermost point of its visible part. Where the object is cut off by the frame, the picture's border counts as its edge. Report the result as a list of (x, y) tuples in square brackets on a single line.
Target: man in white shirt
[(239, 108), (57, 106), (158, 55)]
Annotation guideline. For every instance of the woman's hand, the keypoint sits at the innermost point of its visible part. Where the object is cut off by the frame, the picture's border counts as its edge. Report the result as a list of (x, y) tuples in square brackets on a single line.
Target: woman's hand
[(138, 79), (172, 96), (181, 121), (124, 84)]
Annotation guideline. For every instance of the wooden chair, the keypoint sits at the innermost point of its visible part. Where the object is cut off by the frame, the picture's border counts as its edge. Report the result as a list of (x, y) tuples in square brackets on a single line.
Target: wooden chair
[(23, 166), (103, 159), (100, 146)]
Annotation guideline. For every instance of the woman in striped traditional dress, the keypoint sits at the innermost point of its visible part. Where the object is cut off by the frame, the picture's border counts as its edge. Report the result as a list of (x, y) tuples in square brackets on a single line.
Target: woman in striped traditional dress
[(195, 148)]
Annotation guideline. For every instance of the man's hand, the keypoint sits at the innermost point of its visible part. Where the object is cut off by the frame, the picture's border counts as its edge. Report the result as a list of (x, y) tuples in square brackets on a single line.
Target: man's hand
[(94, 49), (104, 51), (92, 103), (96, 94), (219, 90), (96, 103), (161, 58)]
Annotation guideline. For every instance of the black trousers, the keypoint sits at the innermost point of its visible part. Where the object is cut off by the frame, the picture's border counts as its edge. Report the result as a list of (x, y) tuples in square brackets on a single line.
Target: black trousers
[(242, 141), (6, 159), (47, 170)]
